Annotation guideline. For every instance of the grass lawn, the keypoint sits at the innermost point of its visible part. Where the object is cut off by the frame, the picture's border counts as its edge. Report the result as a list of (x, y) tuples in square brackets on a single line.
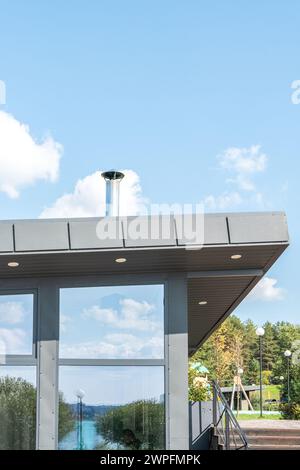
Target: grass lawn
[(246, 417), (270, 392)]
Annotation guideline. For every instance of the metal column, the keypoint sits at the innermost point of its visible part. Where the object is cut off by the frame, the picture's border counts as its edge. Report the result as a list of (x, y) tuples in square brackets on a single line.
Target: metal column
[(47, 352), (177, 365)]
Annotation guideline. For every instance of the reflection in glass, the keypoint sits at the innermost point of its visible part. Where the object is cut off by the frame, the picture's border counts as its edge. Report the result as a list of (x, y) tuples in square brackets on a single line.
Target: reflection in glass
[(17, 408), (16, 324), (112, 407), (112, 322)]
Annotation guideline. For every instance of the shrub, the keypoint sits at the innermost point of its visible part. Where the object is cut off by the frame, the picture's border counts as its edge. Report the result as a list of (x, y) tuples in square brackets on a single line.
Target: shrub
[(290, 410), (198, 393)]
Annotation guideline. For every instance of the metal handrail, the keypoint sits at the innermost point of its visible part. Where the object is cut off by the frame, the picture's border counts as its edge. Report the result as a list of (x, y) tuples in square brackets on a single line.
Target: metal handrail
[(230, 428)]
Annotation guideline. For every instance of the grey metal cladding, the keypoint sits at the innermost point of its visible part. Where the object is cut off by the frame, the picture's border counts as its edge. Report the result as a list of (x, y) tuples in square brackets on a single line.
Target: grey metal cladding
[(214, 230), (87, 234), (6, 237), (144, 231), (41, 235), (258, 228)]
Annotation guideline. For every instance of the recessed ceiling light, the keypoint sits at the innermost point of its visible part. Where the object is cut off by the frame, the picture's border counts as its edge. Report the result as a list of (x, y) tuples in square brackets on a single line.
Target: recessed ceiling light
[(235, 256), (13, 264), (120, 260), (202, 302)]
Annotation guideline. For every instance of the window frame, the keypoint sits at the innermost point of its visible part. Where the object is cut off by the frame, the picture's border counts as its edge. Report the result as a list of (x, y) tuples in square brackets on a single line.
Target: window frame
[(118, 361), (124, 281), (24, 359)]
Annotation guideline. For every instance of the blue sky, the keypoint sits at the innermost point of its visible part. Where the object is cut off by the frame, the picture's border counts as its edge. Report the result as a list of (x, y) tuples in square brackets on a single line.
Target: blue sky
[(161, 89)]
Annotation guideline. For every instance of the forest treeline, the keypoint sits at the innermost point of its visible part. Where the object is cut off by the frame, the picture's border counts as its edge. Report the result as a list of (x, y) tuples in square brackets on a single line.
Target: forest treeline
[(235, 345)]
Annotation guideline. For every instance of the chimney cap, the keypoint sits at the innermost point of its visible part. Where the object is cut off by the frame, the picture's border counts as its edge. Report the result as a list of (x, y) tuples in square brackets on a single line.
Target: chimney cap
[(112, 175)]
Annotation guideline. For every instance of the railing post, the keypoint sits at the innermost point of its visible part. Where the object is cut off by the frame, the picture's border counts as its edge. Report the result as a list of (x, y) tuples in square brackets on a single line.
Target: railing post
[(227, 431), (215, 417)]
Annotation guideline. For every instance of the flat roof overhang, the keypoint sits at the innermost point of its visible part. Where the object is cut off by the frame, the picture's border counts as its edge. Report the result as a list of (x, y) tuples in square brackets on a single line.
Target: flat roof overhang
[(70, 247)]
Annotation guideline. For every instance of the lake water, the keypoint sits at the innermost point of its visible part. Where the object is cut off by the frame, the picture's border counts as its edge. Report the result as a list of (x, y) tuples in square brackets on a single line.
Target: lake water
[(90, 437)]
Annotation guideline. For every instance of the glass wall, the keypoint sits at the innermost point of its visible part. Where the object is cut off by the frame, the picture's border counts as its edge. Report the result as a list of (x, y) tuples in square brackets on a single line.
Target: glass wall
[(16, 324), (17, 407), (118, 407), (17, 381), (112, 405), (112, 322)]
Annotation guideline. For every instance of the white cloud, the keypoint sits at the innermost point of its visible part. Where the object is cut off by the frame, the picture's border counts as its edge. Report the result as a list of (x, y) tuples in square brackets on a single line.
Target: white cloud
[(88, 198), (12, 341), (267, 290), (241, 165), (133, 315), (223, 201), (117, 346), (64, 321), (243, 161), (23, 160), (11, 312), (107, 316)]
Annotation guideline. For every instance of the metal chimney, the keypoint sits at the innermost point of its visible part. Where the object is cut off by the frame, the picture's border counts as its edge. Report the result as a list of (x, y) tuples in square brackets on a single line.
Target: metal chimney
[(112, 179)]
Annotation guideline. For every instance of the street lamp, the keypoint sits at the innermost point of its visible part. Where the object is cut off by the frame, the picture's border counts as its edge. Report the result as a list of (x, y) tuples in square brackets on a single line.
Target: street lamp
[(260, 333), (239, 372), (288, 354), (79, 394)]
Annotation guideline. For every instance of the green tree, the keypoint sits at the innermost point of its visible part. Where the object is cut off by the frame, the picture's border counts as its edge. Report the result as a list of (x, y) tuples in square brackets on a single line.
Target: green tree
[(250, 353), (251, 372), (66, 418), (235, 344), (197, 391), (270, 346), (18, 415), (137, 425)]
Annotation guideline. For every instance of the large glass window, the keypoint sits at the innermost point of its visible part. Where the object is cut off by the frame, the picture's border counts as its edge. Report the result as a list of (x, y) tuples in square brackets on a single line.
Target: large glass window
[(17, 408), (16, 324), (118, 407), (112, 322)]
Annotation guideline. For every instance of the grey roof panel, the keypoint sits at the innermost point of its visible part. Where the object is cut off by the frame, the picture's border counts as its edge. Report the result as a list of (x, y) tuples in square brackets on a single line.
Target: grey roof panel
[(6, 237), (89, 234), (258, 228), (146, 231), (159, 231), (41, 235), (215, 230)]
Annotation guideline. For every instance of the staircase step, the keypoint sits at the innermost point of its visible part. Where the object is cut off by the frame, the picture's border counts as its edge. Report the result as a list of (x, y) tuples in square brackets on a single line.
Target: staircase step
[(274, 447), (270, 432), (274, 440)]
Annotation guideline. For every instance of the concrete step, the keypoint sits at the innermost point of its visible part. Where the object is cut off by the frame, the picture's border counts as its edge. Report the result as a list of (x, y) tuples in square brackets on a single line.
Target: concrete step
[(274, 447), (271, 432), (274, 440)]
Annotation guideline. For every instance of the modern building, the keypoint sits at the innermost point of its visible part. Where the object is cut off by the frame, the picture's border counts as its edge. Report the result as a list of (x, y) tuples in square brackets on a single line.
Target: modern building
[(117, 319)]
